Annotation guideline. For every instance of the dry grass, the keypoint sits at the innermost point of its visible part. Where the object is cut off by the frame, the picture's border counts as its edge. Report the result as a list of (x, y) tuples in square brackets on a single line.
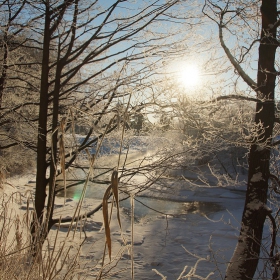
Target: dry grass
[(59, 258)]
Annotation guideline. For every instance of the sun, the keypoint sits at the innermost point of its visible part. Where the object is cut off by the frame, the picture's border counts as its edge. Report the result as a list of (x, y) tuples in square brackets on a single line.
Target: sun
[(189, 76)]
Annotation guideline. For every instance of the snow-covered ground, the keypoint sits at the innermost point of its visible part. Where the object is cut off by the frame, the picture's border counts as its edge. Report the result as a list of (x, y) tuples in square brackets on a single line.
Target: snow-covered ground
[(207, 228), (196, 222)]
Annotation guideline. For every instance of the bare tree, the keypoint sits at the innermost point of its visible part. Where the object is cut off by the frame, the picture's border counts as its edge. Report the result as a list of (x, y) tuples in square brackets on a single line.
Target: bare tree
[(19, 59), (94, 55), (228, 16)]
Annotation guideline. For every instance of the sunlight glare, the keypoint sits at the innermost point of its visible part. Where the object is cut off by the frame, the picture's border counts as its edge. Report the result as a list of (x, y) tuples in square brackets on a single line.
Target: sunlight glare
[(189, 76)]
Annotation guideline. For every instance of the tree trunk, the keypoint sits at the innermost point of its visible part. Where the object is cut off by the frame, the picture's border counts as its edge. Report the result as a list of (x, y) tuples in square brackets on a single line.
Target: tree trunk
[(41, 181), (246, 255), (5, 65), (54, 148)]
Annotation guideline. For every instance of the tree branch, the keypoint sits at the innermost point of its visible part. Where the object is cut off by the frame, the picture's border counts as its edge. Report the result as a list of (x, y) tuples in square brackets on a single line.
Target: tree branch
[(252, 84)]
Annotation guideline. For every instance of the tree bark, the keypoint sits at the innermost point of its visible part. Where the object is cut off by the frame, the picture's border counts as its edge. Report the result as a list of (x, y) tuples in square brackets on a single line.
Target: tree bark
[(246, 255), (41, 181), (54, 148)]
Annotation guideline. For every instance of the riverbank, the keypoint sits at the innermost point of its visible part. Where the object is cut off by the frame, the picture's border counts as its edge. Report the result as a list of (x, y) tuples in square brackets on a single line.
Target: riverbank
[(159, 240)]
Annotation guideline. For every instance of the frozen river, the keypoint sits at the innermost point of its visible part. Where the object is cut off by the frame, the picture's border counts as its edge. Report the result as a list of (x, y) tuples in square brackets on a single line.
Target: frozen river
[(202, 220)]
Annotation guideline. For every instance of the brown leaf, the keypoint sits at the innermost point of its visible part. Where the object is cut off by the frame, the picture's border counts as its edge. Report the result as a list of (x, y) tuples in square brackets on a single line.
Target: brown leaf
[(113, 188), (106, 219), (115, 182)]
